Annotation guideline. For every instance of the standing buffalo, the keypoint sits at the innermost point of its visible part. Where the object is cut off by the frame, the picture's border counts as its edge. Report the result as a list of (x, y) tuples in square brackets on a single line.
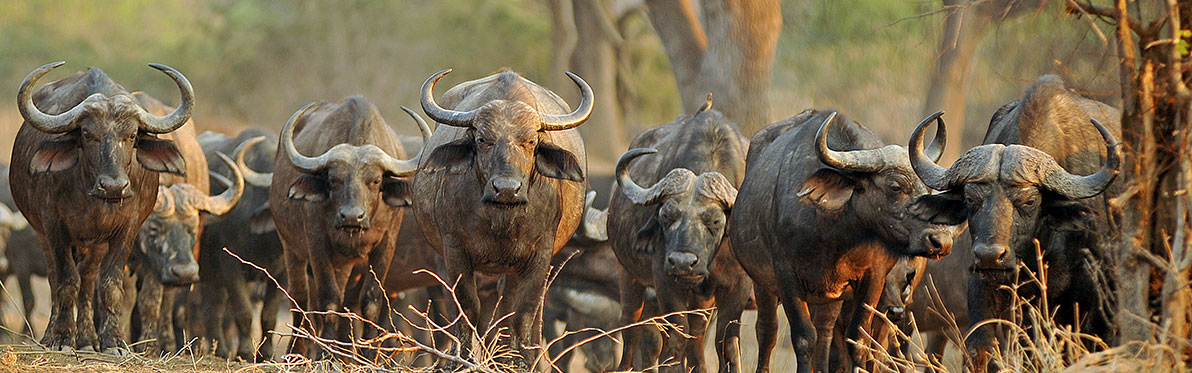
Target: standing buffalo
[(823, 213), (501, 192), (167, 242), (74, 176), (247, 231), (339, 211), (1024, 184), (671, 235)]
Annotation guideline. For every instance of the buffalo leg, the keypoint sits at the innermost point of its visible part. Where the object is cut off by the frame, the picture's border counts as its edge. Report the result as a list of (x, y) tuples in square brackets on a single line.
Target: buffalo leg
[(269, 308), (63, 274), (110, 289), (824, 318), (674, 299), (148, 311), (329, 287), (632, 299), (297, 279), (239, 309), (86, 337), (868, 293), (214, 305), (730, 303), (767, 326), (528, 289), (374, 302), (27, 299), (802, 330)]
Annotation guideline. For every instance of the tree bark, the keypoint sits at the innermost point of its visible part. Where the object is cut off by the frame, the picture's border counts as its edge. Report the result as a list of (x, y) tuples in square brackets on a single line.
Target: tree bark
[(732, 57), (963, 32), (595, 59)]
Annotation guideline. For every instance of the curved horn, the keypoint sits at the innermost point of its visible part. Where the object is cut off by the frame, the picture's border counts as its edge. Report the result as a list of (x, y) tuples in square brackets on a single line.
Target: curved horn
[(165, 204), (925, 167), (552, 122), (256, 179), (1076, 187), (868, 160), (718, 188), (41, 121), (301, 162), (155, 124), (593, 227), (636, 193), (438, 113), (221, 204), (422, 127), (402, 168)]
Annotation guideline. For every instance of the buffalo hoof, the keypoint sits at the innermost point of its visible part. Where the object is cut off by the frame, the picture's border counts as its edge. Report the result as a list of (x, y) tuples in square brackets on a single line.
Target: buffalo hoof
[(87, 349), (58, 342), (117, 351)]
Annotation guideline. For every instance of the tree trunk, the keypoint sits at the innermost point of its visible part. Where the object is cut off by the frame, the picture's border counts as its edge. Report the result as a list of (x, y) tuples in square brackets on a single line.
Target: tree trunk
[(732, 57), (595, 59), (963, 32)]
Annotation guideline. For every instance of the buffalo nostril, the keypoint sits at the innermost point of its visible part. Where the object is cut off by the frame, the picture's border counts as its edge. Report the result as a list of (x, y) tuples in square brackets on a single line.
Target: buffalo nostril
[(990, 254), (507, 186), (351, 214), (189, 271), (685, 261), (112, 184)]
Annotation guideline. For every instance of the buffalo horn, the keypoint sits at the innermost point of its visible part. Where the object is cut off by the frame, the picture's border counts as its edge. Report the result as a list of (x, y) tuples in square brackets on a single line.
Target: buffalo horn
[(222, 203), (256, 179), (1072, 186), (155, 124), (867, 160), (439, 114), (43, 122), (932, 174), (552, 122)]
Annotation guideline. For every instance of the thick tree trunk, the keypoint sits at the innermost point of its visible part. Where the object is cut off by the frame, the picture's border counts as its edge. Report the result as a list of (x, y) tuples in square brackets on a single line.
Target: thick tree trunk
[(963, 33), (731, 57), (595, 59)]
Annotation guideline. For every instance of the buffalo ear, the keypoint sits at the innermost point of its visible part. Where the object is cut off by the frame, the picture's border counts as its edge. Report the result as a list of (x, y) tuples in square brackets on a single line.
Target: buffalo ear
[(827, 190), (557, 163), (309, 188), (1066, 215), (644, 241), (54, 156), (455, 157), (159, 155), (261, 220), (945, 208), (397, 192)]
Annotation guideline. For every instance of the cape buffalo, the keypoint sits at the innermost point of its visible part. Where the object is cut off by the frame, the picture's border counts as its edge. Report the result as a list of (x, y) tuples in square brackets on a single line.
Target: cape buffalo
[(247, 230), (501, 191), (1025, 184), (822, 214), (167, 242), (671, 234), (74, 177), (340, 209)]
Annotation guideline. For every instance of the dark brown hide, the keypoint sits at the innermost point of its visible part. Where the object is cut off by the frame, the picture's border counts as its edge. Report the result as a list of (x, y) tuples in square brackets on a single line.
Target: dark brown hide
[(336, 205), (502, 195), (809, 233), (675, 242), (86, 190)]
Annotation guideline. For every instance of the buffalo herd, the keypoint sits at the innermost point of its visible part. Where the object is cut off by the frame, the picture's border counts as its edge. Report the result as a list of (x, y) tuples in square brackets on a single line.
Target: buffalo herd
[(154, 238)]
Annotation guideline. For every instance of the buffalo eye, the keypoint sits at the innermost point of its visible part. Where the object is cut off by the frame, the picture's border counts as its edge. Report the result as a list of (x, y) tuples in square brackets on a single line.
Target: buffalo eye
[(896, 188), (714, 224)]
